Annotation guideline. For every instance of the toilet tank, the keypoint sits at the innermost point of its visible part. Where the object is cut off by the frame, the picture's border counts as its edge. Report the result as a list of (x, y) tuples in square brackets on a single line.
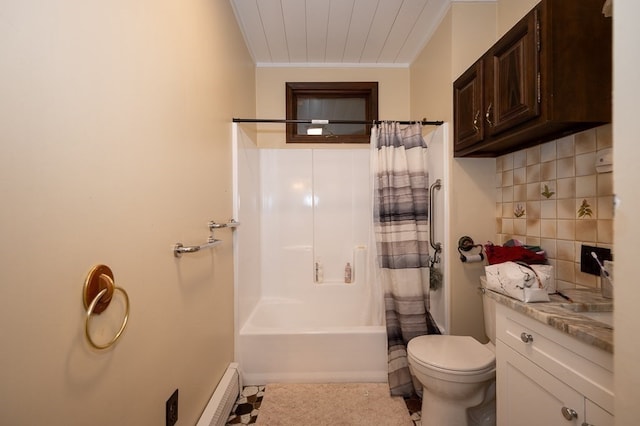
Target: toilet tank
[(489, 311)]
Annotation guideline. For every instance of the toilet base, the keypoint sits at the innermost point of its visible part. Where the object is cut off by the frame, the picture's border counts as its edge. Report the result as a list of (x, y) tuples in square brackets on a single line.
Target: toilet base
[(474, 411)]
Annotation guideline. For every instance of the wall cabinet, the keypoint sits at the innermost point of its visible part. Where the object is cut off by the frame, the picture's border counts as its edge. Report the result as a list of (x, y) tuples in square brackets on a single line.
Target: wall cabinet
[(548, 76), (547, 377)]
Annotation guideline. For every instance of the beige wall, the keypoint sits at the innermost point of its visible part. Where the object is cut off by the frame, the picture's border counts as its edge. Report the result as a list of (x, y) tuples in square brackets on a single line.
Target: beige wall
[(115, 121), (393, 96), (627, 229), (466, 32)]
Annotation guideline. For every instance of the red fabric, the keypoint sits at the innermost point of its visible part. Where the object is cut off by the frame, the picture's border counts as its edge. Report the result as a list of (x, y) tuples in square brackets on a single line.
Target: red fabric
[(500, 254)]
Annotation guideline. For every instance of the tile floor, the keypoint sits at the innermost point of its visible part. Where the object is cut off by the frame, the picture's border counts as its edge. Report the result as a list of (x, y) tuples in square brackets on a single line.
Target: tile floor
[(247, 408)]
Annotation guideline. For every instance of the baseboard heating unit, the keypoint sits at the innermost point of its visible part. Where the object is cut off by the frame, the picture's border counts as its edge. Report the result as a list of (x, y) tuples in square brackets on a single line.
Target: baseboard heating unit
[(226, 394)]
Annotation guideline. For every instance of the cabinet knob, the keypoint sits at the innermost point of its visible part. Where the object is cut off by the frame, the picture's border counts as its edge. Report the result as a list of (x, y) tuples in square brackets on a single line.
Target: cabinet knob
[(487, 115), (526, 337), (569, 413)]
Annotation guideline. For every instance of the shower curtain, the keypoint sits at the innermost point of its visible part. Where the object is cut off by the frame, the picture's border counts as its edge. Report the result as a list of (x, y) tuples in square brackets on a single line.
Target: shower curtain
[(401, 223)]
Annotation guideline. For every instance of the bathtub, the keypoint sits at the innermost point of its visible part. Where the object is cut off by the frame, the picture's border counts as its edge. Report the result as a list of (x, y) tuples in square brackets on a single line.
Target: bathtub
[(292, 340)]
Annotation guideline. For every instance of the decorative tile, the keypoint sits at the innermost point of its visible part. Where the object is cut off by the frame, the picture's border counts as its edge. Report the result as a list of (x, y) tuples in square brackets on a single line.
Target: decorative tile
[(605, 207), (565, 250), (507, 210), (604, 137), (586, 230), (548, 209), (519, 176), (507, 162), (565, 167), (533, 155), (548, 229), (605, 231), (586, 208), (533, 227), (548, 170), (519, 159), (533, 191), (605, 184), (566, 229), (566, 188), (584, 279), (565, 271), (533, 209), (548, 190), (566, 208), (507, 194), (551, 195), (565, 147), (548, 152), (586, 164), (586, 186), (533, 173), (520, 226), (520, 193), (585, 141)]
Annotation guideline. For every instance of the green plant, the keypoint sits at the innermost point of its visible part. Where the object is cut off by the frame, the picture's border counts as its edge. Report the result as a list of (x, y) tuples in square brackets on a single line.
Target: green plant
[(585, 209), (546, 192)]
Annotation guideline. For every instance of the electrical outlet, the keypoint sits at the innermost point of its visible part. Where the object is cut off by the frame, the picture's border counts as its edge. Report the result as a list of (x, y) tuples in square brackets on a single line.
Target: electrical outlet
[(172, 409), (588, 264)]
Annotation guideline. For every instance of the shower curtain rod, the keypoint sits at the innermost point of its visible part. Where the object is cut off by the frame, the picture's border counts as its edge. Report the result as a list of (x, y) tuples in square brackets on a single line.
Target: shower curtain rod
[(424, 122)]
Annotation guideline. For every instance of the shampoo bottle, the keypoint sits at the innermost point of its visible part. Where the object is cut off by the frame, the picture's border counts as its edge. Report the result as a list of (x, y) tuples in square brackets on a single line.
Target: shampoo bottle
[(347, 273)]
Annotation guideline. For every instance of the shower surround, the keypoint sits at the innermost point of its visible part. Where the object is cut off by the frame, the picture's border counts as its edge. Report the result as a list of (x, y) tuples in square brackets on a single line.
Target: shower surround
[(299, 208)]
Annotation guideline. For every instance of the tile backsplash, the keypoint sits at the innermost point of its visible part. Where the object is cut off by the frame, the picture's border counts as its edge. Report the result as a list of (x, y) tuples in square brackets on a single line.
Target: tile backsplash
[(551, 195)]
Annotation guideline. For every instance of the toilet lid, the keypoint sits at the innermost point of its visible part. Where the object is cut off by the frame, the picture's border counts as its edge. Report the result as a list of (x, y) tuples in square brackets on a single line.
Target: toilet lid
[(457, 353)]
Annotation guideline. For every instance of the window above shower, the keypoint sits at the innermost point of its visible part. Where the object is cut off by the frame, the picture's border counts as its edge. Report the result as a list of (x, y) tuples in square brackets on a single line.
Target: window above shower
[(340, 101)]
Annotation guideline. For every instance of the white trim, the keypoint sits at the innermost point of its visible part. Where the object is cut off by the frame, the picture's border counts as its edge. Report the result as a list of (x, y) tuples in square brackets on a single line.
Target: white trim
[(329, 65)]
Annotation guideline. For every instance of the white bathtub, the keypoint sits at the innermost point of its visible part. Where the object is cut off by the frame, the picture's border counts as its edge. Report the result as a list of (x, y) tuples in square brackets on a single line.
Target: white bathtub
[(287, 340)]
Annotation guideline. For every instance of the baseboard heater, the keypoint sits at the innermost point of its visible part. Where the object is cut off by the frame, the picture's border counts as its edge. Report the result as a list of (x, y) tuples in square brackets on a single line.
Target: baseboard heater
[(226, 394)]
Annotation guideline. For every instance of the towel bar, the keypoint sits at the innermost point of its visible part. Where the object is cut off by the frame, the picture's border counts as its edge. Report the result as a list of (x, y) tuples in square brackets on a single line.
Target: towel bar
[(179, 249)]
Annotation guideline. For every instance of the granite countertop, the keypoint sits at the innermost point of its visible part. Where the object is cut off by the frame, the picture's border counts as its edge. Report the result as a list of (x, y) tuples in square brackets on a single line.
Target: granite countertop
[(565, 316)]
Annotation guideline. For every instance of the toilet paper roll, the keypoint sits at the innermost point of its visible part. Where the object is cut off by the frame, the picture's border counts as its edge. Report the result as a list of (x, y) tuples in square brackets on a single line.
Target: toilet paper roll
[(472, 258)]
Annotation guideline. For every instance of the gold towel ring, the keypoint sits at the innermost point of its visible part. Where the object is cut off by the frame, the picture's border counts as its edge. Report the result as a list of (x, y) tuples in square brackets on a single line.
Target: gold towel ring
[(98, 292)]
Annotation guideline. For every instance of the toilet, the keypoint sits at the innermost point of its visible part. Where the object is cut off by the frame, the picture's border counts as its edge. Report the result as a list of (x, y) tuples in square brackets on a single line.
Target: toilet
[(457, 374)]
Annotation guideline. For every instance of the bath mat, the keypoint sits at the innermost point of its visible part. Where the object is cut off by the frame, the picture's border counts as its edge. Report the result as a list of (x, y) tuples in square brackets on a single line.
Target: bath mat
[(343, 404)]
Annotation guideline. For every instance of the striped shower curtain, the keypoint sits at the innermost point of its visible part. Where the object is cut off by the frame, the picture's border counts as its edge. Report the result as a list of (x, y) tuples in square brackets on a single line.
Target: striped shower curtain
[(401, 222)]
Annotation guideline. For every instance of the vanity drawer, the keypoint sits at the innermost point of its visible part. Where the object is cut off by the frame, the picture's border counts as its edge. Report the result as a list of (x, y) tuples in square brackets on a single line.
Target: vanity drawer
[(576, 363)]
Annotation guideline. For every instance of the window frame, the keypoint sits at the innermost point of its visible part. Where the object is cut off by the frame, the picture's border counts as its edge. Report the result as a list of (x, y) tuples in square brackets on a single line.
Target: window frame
[(368, 90)]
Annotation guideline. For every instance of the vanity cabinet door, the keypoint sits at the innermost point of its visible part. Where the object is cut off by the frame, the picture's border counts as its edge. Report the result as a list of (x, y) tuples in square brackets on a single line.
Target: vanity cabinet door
[(527, 395), (596, 415)]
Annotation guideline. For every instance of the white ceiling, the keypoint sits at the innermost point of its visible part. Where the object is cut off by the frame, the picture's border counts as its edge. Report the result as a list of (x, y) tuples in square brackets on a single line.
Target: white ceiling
[(337, 32)]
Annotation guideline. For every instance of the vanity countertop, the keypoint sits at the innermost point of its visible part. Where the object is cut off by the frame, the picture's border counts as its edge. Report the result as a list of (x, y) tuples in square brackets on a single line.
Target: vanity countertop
[(565, 316)]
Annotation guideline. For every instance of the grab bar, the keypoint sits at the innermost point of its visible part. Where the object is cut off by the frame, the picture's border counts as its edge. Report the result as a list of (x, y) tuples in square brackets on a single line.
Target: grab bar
[(179, 249), (436, 185), (231, 224)]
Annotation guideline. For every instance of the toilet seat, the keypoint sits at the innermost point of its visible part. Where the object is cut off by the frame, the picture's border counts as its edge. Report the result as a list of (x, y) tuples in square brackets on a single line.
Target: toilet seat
[(456, 355)]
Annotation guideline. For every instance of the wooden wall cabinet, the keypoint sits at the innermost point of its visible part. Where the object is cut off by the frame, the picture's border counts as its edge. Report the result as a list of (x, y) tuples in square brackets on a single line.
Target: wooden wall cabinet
[(549, 76)]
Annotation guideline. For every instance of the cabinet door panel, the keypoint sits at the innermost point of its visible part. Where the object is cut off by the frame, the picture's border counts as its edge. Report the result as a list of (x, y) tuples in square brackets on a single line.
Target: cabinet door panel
[(597, 416), (514, 71), (529, 396), (467, 99)]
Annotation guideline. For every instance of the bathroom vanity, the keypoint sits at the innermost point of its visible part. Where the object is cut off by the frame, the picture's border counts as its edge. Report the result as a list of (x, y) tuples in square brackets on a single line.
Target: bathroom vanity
[(555, 360)]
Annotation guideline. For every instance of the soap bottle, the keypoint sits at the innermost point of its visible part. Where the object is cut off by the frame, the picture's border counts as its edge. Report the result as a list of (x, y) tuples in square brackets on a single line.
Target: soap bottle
[(347, 273)]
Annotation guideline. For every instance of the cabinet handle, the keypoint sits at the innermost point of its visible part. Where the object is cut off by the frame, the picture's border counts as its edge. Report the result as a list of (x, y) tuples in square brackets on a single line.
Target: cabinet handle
[(569, 413), (475, 122), (526, 337), (488, 114)]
